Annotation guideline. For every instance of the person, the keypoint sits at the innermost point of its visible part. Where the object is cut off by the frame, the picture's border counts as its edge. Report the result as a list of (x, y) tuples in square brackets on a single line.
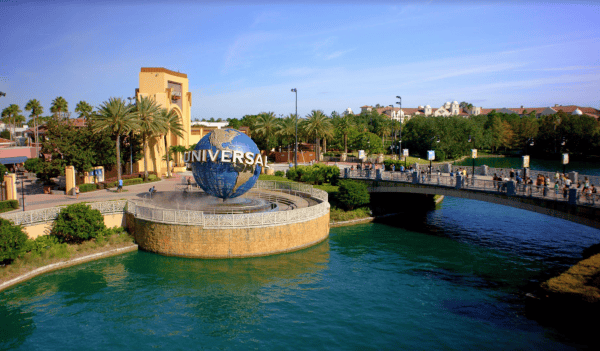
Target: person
[(189, 183), (76, 192), (120, 187), (402, 168), (512, 173), (556, 188), (393, 168), (152, 190), (568, 182)]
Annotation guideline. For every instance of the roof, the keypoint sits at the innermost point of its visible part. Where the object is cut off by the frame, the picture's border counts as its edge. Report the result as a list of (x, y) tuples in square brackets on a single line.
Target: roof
[(13, 160), (163, 70)]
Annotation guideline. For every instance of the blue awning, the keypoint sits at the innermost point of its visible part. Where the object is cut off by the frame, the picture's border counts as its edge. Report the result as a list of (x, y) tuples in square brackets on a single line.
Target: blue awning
[(13, 160)]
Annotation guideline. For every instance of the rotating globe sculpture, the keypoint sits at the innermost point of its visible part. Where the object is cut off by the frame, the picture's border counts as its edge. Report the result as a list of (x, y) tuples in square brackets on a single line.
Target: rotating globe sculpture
[(226, 163)]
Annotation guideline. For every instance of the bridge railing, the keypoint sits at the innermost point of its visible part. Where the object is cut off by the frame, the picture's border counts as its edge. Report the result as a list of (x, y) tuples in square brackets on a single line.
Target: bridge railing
[(580, 197)]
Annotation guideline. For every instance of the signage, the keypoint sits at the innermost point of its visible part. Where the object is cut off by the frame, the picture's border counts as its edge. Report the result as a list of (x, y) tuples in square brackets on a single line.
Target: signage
[(565, 159), (525, 161), (405, 152), (225, 156), (431, 155), (361, 154), (473, 153)]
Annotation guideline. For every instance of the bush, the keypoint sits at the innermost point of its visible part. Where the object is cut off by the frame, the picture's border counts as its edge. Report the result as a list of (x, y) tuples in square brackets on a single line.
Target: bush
[(33, 165), (3, 171), (280, 174), (8, 205), (316, 174), (352, 194), (78, 222), (12, 240), (84, 188), (41, 244), (152, 177)]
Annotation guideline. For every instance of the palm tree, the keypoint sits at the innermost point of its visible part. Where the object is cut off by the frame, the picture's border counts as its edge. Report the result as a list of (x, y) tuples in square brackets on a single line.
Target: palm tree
[(147, 114), (59, 106), (316, 125), (345, 125), (266, 126), (116, 116), (36, 109), (12, 115), (171, 125), (84, 109), (287, 130)]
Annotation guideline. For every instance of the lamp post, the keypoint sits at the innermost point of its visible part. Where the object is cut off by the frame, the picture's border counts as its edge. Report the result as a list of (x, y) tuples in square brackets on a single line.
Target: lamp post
[(131, 141), (296, 145), (430, 161), (21, 173), (565, 157), (472, 156), (400, 112)]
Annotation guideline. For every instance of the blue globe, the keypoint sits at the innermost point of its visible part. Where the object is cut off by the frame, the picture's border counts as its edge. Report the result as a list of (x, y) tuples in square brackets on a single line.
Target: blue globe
[(222, 179)]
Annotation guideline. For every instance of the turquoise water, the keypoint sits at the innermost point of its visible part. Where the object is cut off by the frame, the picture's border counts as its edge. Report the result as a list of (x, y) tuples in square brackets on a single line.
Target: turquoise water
[(583, 167), (452, 278)]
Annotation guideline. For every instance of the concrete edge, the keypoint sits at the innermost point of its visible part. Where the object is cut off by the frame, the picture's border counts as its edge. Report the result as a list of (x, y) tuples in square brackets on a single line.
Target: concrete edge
[(65, 264)]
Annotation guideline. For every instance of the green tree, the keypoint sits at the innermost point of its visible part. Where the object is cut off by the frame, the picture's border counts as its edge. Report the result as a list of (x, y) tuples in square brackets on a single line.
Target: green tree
[(234, 123), (345, 125), (84, 109), (36, 109), (148, 118), (316, 125), (12, 241), (171, 124), (59, 107), (77, 223), (116, 117), (12, 115), (287, 131), (352, 194), (266, 126)]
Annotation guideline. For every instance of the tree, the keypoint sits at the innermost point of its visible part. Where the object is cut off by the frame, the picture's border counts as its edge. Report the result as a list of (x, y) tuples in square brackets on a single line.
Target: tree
[(315, 126), (287, 131), (352, 194), (36, 110), (12, 115), (266, 126), (147, 115), (171, 125), (345, 125), (12, 240), (84, 109), (77, 223), (234, 123), (59, 106), (117, 117)]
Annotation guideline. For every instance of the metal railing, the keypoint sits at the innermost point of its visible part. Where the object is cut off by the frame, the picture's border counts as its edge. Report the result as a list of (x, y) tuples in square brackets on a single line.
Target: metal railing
[(583, 198), (43, 215)]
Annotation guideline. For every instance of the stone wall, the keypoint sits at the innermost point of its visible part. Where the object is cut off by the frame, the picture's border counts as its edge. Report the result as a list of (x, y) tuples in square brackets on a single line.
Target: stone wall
[(196, 241)]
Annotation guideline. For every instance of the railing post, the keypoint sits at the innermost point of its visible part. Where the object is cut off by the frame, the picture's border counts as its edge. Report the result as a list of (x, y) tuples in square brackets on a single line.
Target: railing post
[(573, 196), (415, 177), (458, 184), (511, 188), (346, 172)]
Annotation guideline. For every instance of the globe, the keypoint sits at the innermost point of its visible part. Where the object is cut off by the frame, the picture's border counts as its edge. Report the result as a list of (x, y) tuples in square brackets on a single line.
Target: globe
[(226, 179)]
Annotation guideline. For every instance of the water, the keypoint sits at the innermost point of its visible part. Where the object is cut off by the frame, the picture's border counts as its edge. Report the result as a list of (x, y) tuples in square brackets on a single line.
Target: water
[(451, 278)]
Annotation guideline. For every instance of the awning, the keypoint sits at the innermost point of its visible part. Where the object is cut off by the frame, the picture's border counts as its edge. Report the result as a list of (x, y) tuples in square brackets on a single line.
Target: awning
[(13, 160)]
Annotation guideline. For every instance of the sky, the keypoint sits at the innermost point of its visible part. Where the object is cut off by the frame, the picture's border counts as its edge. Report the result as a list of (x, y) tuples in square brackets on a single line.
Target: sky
[(244, 57)]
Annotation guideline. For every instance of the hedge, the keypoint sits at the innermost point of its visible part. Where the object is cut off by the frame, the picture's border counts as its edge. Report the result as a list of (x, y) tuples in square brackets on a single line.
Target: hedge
[(84, 188), (8, 205), (12, 240)]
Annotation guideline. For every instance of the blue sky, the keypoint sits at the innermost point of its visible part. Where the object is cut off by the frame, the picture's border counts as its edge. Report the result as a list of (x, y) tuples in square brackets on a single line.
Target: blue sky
[(243, 58)]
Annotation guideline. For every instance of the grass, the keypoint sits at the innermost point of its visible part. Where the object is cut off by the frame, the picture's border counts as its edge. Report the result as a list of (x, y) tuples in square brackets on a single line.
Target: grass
[(63, 252), (339, 215), (327, 187), (581, 281), (272, 177)]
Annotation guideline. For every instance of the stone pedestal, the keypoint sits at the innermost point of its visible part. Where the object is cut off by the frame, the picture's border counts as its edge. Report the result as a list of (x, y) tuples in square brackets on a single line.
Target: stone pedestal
[(379, 158), (70, 180), (344, 157)]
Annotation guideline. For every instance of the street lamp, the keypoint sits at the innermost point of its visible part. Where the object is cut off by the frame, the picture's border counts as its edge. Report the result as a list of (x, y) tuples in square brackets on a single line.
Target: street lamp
[(22, 180), (131, 141), (472, 156), (296, 146)]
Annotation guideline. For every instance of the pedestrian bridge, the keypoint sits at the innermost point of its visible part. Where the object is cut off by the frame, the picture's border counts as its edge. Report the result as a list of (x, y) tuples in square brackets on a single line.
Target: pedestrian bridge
[(570, 205)]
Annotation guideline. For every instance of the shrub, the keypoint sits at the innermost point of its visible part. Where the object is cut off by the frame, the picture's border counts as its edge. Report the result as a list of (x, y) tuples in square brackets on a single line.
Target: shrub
[(8, 205), (352, 194), (280, 174), (12, 240), (41, 244), (84, 188), (152, 177), (33, 165), (78, 222), (3, 171)]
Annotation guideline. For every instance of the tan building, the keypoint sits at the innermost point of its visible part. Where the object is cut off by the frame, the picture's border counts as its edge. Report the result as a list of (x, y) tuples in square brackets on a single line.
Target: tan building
[(171, 91)]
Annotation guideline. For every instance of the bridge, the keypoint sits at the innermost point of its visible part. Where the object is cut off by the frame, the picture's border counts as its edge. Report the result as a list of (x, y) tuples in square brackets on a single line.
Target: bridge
[(571, 205)]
